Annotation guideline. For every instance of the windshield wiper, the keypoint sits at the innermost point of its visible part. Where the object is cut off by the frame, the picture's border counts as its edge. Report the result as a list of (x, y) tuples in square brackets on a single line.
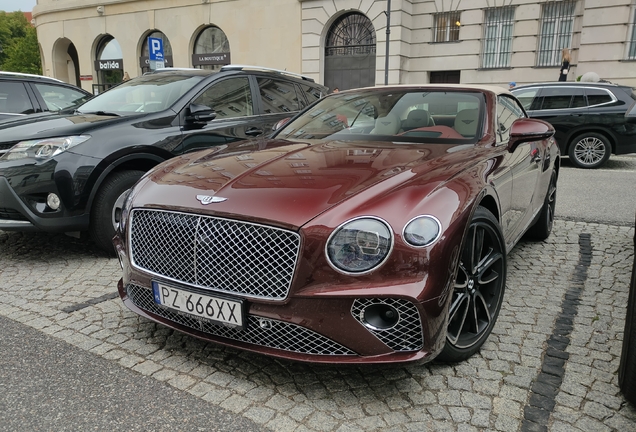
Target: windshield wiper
[(106, 113)]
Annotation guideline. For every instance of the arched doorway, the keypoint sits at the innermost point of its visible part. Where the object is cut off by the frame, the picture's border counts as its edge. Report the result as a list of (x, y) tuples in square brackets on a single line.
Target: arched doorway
[(350, 52), (144, 59), (65, 62), (109, 64), (211, 49)]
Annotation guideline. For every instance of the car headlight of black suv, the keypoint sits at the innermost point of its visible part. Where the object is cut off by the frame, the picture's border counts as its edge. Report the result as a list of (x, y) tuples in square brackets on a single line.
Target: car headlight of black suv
[(43, 148)]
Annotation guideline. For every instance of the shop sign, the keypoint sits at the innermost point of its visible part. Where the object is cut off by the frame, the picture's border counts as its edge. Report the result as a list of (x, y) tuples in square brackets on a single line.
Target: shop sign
[(211, 59), (144, 61), (117, 64)]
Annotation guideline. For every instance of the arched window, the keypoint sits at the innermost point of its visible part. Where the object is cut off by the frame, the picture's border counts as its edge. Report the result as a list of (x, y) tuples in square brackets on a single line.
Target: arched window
[(351, 34), (350, 52), (144, 60), (109, 63), (211, 49)]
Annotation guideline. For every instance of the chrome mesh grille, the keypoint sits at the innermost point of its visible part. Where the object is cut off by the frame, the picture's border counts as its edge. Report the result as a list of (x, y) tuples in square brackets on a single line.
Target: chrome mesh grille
[(406, 335), (259, 331), (214, 253)]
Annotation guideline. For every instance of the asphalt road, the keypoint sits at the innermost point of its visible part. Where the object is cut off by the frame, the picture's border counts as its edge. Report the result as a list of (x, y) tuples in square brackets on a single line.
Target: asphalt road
[(49, 385), (606, 195)]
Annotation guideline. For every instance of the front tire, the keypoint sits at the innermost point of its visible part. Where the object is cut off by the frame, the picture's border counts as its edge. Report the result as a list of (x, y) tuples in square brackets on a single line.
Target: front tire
[(106, 209), (589, 150), (479, 288), (542, 228)]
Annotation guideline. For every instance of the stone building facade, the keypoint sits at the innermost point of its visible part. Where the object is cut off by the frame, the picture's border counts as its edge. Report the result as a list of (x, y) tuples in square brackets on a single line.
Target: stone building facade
[(342, 43)]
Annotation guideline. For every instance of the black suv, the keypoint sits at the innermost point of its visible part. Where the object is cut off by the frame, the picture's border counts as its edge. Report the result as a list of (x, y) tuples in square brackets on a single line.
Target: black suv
[(70, 173), (22, 94), (592, 120)]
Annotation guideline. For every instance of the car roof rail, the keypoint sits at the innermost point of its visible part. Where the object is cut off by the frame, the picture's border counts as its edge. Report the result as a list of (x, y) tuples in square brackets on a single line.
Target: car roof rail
[(265, 69), (20, 74)]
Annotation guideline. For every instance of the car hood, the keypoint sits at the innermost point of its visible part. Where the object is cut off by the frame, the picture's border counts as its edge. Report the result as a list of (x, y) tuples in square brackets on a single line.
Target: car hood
[(293, 182), (33, 127)]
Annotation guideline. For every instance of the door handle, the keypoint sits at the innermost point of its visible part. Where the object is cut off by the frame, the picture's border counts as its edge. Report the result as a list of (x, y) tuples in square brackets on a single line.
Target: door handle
[(253, 132)]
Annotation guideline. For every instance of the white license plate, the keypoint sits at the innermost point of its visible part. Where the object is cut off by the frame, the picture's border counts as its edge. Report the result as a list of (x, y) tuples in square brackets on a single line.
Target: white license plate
[(213, 308)]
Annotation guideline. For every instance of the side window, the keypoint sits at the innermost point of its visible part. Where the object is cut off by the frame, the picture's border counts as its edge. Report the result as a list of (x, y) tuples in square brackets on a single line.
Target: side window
[(14, 98), (597, 96), (507, 112), (229, 98), (557, 97), (312, 94), (278, 96), (526, 97), (58, 97)]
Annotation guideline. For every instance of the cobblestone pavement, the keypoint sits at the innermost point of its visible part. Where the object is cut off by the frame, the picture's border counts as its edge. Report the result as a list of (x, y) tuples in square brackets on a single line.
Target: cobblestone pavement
[(550, 364)]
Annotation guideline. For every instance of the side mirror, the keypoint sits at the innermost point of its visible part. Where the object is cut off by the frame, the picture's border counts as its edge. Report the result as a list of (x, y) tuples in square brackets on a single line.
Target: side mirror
[(526, 130), (200, 114), (280, 123)]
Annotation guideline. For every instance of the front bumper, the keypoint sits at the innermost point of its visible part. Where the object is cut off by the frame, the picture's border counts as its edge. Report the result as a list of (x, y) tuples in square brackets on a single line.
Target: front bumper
[(279, 332), (15, 215)]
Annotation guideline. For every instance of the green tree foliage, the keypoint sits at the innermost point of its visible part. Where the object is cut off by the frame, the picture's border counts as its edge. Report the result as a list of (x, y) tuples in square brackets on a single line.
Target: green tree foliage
[(19, 50)]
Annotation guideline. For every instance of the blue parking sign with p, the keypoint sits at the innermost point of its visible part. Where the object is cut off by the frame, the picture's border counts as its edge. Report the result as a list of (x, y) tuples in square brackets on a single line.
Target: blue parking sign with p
[(155, 49)]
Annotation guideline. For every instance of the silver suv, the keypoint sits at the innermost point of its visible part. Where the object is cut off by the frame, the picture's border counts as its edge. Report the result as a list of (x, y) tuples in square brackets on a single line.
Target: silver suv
[(22, 94)]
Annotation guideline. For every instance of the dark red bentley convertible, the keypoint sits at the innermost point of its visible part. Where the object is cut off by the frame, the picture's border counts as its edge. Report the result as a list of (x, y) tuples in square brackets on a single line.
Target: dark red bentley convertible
[(372, 227)]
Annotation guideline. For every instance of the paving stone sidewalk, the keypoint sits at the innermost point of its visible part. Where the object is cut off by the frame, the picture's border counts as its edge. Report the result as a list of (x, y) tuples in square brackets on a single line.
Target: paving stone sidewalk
[(550, 364)]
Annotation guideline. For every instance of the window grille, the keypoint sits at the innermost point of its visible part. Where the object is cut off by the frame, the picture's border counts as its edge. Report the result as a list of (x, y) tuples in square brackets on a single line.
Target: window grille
[(497, 41), (557, 26), (446, 27), (352, 34), (631, 53)]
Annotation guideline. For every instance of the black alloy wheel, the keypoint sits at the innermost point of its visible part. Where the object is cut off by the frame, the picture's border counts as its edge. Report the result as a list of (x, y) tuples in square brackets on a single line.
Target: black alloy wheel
[(542, 228), (589, 150), (479, 288)]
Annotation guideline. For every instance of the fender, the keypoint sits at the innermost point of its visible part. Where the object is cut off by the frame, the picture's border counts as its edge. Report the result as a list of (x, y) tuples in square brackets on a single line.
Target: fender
[(149, 158)]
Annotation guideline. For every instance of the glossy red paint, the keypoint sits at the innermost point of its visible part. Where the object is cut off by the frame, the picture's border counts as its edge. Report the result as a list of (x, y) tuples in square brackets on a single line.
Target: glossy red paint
[(313, 186)]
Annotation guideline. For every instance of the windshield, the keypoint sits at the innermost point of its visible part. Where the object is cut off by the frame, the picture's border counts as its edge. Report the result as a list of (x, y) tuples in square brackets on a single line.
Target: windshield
[(148, 93), (395, 114)]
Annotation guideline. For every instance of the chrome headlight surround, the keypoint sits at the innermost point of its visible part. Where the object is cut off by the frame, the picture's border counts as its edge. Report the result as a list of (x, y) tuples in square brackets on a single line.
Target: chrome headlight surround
[(360, 245), (43, 148), (125, 212), (422, 231)]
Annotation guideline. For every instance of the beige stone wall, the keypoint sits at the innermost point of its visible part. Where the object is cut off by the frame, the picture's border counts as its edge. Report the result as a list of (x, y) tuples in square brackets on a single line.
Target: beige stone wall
[(260, 32), (290, 34)]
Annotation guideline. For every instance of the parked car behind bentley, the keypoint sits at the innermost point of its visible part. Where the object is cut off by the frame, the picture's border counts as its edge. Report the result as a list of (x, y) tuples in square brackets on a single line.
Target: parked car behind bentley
[(69, 173), (373, 227)]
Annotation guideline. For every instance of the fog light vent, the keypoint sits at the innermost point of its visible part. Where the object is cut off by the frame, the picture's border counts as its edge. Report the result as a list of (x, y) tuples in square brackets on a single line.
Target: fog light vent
[(380, 316), (396, 322)]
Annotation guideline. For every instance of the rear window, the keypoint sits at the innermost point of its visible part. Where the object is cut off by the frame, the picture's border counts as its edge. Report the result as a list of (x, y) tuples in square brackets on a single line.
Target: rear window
[(597, 96)]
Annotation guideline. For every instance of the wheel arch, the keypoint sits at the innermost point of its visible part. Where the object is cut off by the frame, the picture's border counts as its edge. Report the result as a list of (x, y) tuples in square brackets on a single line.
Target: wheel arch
[(489, 202), (601, 131), (136, 161)]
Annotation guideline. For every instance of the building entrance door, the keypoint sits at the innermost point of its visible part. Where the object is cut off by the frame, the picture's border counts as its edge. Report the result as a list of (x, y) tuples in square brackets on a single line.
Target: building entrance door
[(350, 53)]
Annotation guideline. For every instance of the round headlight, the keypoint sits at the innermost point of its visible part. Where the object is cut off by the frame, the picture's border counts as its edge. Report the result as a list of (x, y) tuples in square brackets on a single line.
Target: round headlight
[(422, 231), (360, 245)]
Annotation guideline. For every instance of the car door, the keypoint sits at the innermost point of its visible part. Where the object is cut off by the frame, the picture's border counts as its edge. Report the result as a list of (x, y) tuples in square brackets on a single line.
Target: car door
[(232, 99), (563, 107), (525, 167), (279, 99)]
